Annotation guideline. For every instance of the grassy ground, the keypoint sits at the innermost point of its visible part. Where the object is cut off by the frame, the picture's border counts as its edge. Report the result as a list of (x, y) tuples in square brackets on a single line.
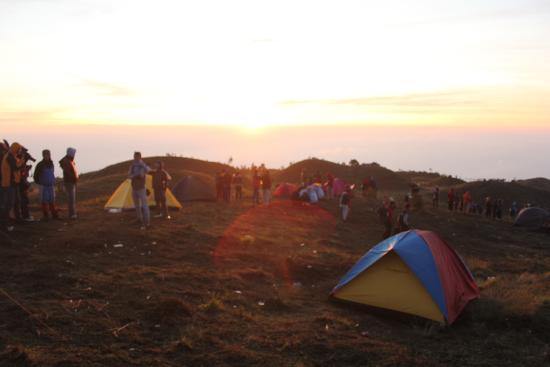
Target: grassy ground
[(226, 285)]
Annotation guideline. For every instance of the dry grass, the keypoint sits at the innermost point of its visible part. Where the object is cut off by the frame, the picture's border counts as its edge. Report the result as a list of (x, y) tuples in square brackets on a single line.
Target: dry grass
[(232, 284)]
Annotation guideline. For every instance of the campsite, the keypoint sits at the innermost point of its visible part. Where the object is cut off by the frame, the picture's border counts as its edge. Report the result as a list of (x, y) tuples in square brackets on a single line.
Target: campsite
[(236, 284)]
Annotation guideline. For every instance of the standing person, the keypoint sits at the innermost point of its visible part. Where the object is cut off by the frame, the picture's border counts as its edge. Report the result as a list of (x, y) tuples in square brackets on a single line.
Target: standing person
[(12, 162), (4, 148), (44, 176), (466, 199), (22, 206), (70, 178), (451, 198), (266, 186), (303, 177), (403, 221), (345, 203), (256, 183), (435, 197), (365, 187), (238, 182), (513, 210), (160, 185), (137, 174)]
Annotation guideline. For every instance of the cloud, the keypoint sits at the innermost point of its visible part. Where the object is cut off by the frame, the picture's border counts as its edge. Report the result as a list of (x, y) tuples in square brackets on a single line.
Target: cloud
[(107, 89), (414, 100)]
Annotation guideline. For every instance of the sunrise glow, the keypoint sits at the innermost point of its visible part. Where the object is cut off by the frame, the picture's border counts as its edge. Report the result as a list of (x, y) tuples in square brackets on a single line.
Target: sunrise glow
[(254, 64)]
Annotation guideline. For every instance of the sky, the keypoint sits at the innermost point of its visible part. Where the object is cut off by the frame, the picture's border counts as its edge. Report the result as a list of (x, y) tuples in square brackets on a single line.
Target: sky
[(420, 73)]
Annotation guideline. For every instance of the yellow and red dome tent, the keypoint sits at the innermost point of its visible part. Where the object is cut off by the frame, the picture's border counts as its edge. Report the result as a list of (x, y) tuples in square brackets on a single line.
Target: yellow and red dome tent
[(121, 199)]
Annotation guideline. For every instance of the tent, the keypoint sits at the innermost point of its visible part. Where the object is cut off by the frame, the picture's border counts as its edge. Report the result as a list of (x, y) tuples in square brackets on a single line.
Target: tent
[(122, 197), (285, 190), (414, 272), (194, 188), (532, 218)]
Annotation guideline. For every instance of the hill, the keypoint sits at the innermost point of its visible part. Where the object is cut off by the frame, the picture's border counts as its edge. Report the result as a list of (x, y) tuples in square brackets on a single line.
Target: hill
[(235, 284), (386, 179), (536, 183), (508, 191), (103, 182), (430, 179)]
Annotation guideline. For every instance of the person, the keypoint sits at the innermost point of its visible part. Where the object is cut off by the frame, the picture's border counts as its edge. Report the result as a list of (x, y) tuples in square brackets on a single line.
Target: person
[(4, 149), (266, 186), (238, 182), (330, 185), (44, 176), (435, 197), (466, 200), (70, 178), (345, 202), (137, 174), (12, 162), (21, 208), (513, 210), (256, 183), (385, 213), (451, 198), (160, 185), (403, 221)]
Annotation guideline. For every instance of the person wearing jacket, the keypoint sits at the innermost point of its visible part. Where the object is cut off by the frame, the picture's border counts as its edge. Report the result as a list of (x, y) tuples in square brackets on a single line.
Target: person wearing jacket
[(160, 184), (44, 176), (238, 182), (256, 183), (12, 162), (345, 203), (70, 178), (137, 174)]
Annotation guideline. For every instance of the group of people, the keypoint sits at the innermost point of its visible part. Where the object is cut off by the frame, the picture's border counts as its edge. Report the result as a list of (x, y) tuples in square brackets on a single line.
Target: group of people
[(138, 177), (463, 202), (224, 181), (15, 172)]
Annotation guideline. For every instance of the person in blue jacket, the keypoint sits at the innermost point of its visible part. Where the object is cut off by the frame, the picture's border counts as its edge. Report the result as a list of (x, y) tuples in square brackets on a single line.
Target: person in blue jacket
[(44, 175)]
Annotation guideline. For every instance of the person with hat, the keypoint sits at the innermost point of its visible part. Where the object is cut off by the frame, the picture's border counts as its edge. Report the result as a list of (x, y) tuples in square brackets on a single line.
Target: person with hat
[(70, 178), (44, 176)]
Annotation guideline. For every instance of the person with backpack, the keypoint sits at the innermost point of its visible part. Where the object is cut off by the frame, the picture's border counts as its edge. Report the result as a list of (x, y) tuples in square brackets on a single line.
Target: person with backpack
[(44, 176), (160, 185), (70, 178), (238, 182), (12, 162), (137, 174), (345, 203)]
